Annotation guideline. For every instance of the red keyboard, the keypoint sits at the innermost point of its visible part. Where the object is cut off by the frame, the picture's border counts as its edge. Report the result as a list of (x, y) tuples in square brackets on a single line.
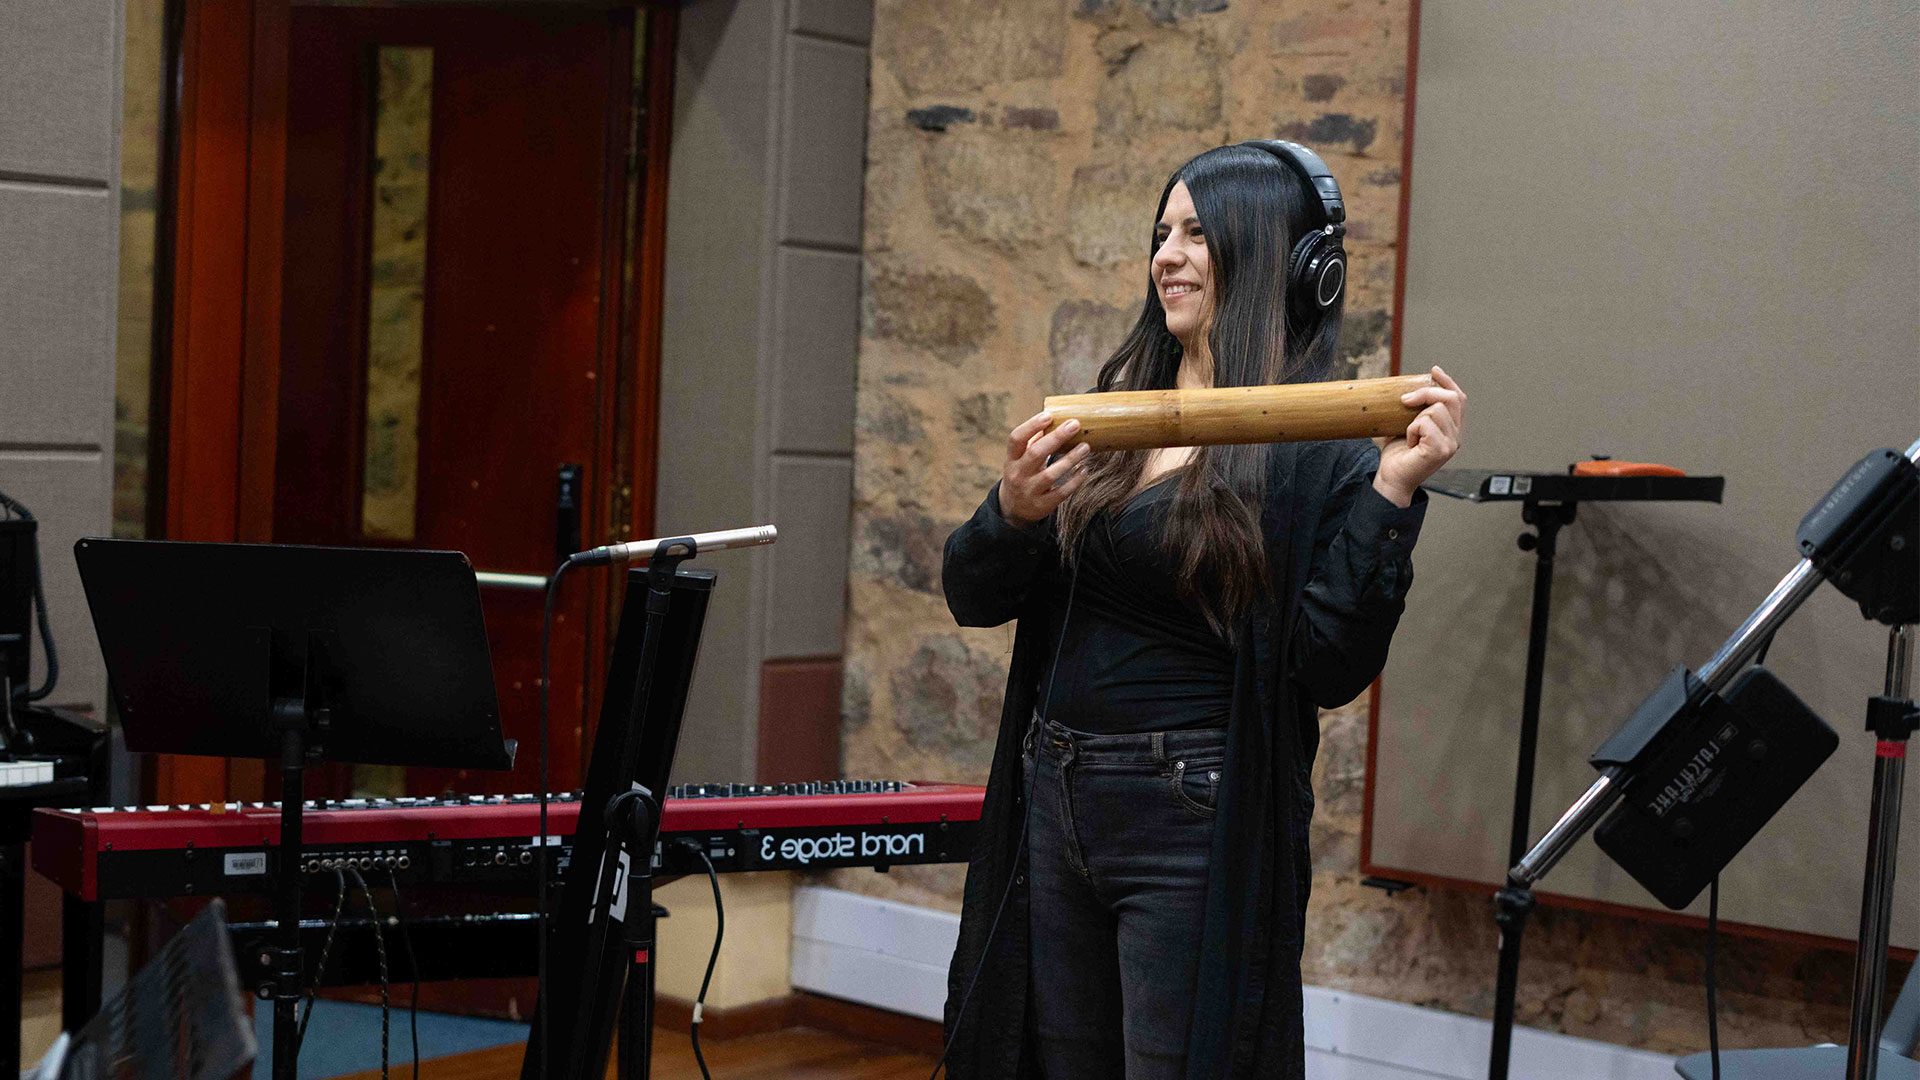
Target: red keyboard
[(486, 841)]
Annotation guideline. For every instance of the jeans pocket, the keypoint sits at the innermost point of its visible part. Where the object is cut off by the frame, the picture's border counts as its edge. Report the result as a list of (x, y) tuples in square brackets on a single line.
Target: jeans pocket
[(1196, 785)]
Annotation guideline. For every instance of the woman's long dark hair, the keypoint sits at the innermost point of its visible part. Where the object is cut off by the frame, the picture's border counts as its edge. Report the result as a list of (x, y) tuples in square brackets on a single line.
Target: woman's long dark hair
[(1252, 210)]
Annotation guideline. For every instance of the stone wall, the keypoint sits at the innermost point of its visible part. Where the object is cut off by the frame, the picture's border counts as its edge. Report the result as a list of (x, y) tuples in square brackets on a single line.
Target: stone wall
[(1015, 152)]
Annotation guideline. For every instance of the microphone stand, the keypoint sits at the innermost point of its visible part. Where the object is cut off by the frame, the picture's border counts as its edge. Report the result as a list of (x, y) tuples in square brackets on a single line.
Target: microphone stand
[(1844, 538)]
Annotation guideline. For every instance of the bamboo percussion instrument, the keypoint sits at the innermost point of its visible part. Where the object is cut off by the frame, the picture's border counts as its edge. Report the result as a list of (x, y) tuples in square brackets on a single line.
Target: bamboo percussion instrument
[(1291, 412)]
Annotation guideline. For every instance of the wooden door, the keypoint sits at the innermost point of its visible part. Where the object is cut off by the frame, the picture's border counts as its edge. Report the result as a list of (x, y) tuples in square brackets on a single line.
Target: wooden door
[(450, 281)]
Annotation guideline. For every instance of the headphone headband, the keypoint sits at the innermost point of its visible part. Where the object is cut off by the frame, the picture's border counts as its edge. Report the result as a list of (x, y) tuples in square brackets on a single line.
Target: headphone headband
[(1317, 266), (1310, 168)]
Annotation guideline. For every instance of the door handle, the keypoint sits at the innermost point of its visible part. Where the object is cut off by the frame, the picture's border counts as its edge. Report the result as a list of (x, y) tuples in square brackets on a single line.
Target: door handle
[(520, 582), (566, 512)]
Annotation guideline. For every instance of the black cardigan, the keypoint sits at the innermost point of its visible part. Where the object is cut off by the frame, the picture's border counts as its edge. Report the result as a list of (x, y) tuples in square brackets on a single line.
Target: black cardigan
[(1339, 556)]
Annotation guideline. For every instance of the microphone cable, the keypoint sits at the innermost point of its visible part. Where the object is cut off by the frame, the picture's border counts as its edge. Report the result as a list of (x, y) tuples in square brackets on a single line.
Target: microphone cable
[(546, 788), (380, 950), (1713, 1004), (413, 963), (719, 934), (320, 969)]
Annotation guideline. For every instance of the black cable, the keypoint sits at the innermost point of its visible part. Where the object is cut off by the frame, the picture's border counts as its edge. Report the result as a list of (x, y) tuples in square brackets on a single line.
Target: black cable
[(1020, 850), (380, 948), (1713, 927), (1713, 1002), (413, 962), (546, 787), (719, 933), (320, 969), (992, 928), (18, 509)]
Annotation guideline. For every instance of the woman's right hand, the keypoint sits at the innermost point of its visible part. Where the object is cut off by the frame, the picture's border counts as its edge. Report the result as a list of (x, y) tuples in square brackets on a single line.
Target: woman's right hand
[(1030, 489)]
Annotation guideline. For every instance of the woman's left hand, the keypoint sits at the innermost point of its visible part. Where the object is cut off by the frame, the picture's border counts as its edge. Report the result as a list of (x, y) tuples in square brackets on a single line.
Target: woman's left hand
[(1406, 461)]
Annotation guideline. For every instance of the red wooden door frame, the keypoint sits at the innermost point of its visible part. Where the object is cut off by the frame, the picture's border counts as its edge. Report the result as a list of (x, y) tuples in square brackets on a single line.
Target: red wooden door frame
[(221, 370)]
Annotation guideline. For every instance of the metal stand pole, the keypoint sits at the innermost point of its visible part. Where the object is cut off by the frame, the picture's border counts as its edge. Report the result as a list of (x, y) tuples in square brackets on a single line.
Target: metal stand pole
[(636, 1028), (1891, 719), (285, 957), (1513, 904), (13, 884)]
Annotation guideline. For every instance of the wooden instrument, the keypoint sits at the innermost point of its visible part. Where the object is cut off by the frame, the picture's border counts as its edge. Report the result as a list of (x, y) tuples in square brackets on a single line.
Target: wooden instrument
[(1291, 412)]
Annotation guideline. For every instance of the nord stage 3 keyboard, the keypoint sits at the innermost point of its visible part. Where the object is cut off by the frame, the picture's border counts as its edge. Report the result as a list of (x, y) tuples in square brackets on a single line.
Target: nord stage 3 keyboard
[(488, 841)]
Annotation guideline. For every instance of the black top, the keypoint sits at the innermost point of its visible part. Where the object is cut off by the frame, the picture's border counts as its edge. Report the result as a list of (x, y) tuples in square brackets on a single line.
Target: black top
[(1338, 557), (1137, 654)]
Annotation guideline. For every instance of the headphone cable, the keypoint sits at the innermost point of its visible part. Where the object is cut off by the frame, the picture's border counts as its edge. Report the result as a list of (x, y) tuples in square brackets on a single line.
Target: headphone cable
[(1026, 826)]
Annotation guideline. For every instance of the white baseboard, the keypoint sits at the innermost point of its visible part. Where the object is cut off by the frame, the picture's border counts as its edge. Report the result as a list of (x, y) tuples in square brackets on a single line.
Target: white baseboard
[(1356, 1037), (894, 956), (877, 952)]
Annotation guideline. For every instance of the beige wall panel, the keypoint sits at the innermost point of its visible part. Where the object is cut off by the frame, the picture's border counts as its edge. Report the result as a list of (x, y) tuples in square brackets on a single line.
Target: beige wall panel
[(57, 275), (67, 493), (1670, 236), (848, 20), (755, 957), (808, 597), (710, 374), (59, 83), (824, 133), (816, 337)]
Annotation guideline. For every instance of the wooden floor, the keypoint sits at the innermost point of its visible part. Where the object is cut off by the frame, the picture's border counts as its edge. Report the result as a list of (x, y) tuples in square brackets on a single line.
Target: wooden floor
[(793, 1054)]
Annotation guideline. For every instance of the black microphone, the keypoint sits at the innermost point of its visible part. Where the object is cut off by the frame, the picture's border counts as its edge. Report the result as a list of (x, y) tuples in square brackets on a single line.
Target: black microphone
[(641, 551)]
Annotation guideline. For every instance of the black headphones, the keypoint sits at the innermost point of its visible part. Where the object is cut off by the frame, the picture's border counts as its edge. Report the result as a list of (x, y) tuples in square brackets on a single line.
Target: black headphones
[(1317, 268)]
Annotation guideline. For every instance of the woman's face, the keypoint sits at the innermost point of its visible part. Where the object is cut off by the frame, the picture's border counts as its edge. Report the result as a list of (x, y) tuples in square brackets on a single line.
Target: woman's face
[(1181, 272)]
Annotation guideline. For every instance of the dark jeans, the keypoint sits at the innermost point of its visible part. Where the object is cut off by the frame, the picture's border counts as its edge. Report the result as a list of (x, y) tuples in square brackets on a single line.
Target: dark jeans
[(1118, 846)]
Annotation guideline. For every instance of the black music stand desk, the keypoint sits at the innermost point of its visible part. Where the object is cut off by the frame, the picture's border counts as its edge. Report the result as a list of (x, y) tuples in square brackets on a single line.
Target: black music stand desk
[(300, 655), (1548, 501)]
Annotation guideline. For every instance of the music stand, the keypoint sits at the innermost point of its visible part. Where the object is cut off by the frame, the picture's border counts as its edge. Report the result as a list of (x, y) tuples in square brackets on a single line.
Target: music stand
[(1548, 501), (605, 917), (300, 654)]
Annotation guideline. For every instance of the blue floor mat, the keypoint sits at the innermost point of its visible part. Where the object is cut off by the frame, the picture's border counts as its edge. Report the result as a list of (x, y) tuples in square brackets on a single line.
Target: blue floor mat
[(345, 1038)]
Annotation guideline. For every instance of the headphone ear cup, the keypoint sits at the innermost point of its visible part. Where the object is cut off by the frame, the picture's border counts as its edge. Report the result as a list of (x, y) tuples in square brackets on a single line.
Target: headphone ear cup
[(1316, 275)]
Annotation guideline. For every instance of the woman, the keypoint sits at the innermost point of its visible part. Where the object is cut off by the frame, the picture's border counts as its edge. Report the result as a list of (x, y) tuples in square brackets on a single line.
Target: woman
[(1136, 906)]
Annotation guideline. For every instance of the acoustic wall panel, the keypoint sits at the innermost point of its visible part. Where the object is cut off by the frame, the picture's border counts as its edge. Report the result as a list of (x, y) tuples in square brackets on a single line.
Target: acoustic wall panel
[(846, 20), (807, 607), (59, 89), (824, 135), (57, 303), (816, 338), (1665, 235)]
